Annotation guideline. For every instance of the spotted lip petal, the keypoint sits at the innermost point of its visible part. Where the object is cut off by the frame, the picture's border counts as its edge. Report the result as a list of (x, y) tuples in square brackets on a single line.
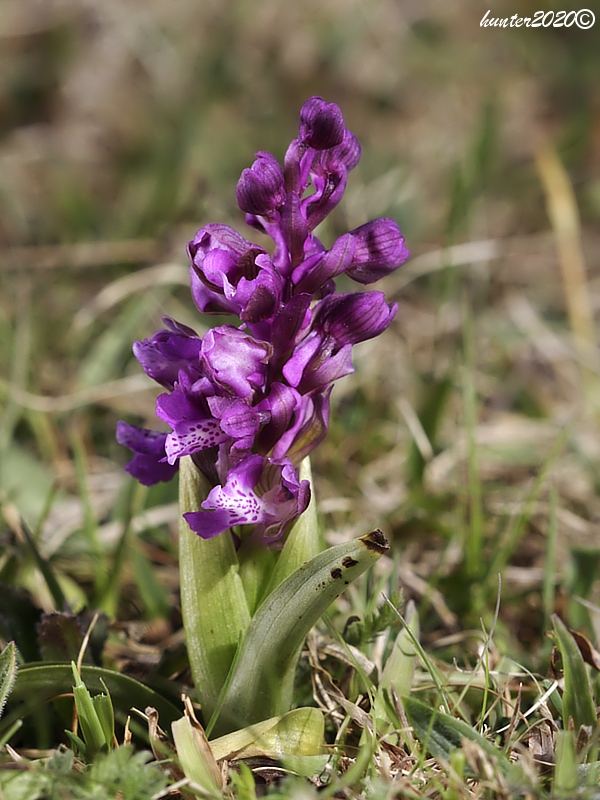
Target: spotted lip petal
[(237, 502)]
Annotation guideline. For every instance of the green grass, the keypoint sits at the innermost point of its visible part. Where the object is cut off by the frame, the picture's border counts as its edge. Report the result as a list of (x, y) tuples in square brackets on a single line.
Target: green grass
[(468, 432)]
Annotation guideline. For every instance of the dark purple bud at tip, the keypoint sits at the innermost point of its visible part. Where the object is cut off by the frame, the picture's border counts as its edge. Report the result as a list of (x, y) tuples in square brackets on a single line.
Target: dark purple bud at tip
[(260, 188), (380, 249), (321, 124)]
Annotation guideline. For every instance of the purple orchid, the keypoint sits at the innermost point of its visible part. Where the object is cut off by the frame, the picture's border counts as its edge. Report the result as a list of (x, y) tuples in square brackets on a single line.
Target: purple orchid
[(248, 403)]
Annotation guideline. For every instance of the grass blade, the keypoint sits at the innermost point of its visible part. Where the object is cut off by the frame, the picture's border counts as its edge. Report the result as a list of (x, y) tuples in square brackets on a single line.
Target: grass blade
[(399, 668), (441, 734), (577, 700), (8, 672)]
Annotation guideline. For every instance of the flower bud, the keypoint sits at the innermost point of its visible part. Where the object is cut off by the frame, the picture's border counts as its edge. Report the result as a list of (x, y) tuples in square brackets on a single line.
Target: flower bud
[(379, 250), (260, 189), (321, 124)]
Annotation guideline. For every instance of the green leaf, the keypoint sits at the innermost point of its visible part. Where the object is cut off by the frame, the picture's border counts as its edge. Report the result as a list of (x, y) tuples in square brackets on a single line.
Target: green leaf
[(243, 783), (91, 727), (213, 602), (298, 733), (303, 541), (577, 700), (256, 567), (195, 756), (8, 672), (106, 716), (44, 567), (440, 734), (399, 668), (37, 684), (566, 778), (262, 682)]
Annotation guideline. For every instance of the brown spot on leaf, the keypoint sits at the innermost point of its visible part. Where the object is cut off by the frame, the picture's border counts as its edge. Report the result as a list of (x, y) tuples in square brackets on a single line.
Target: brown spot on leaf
[(375, 541)]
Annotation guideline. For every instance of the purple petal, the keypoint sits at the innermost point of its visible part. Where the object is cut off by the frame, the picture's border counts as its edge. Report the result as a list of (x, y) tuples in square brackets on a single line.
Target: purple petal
[(237, 419), (321, 124), (345, 155), (352, 318), (281, 405), (308, 428), (304, 353), (148, 464), (166, 353), (380, 249), (327, 368), (260, 189), (235, 360), (315, 271), (220, 257)]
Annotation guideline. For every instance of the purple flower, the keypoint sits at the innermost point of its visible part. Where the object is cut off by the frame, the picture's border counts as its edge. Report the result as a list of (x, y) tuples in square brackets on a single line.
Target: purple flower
[(231, 275), (234, 360), (259, 492), (248, 401), (168, 351), (339, 322)]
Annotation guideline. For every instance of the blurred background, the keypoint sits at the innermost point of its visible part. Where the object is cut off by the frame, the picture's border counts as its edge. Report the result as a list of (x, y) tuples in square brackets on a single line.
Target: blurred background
[(469, 432)]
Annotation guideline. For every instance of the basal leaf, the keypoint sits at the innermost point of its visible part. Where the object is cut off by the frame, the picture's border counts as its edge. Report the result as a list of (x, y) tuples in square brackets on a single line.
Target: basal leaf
[(37, 684), (262, 681)]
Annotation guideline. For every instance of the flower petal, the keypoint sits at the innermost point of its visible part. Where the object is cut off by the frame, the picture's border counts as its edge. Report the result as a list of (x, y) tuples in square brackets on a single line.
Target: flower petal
[(235, 360), (190, 436), (148, 464)]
